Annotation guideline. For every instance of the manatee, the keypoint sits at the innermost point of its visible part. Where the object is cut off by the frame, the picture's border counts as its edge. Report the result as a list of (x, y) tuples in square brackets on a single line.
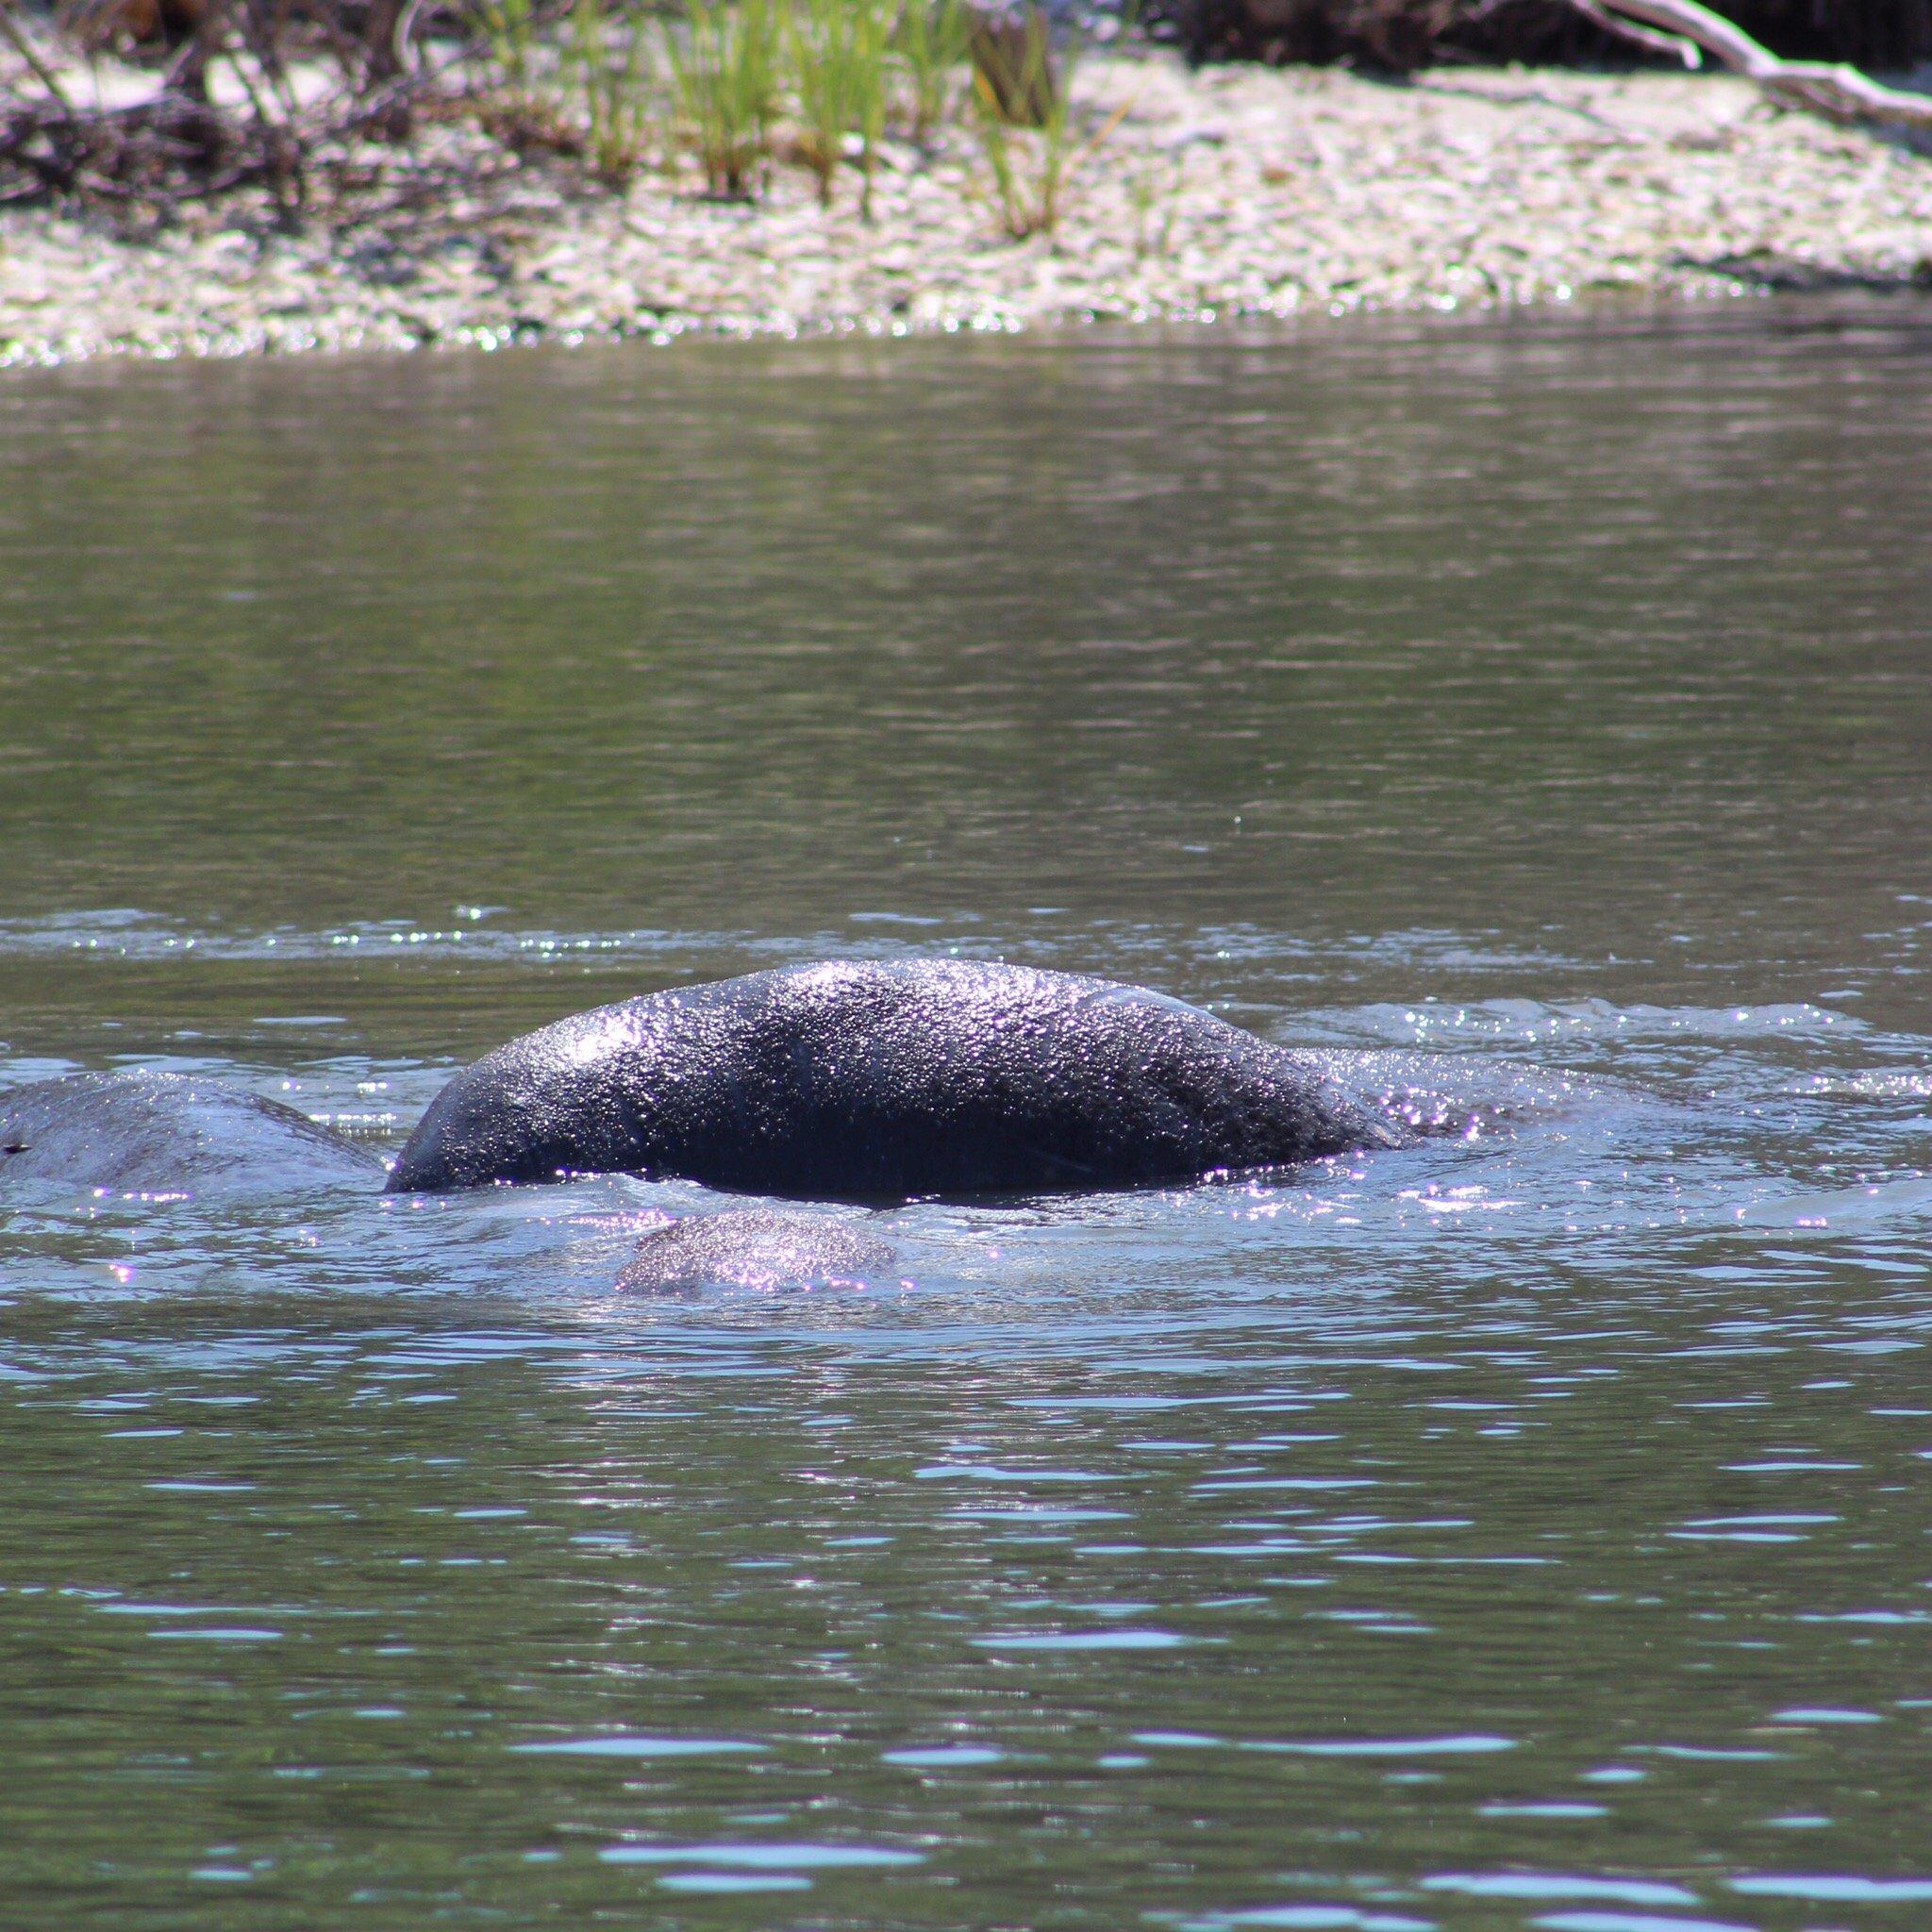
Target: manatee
[(754, 1247), (141, 1132), (867, 1081)]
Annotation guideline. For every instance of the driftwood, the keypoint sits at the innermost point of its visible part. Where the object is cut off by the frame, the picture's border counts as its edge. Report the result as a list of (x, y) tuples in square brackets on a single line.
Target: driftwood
[(180, 145), (53, 149), (1839, 93)]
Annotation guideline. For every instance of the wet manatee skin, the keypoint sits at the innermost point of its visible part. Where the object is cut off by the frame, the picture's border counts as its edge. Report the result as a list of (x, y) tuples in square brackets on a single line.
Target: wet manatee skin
[(142, 1132), (878, 1081), (754, 1247)]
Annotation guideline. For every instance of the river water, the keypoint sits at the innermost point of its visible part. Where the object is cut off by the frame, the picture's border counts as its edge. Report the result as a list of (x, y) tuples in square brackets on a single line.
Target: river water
[(1526, 1531)]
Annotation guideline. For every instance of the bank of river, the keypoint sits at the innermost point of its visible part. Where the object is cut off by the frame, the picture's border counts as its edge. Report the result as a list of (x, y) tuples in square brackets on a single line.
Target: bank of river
[(1231, 191)]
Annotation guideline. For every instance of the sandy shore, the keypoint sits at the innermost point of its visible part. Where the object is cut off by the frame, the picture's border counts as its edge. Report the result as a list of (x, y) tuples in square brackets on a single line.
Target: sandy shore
[(1236, 191)]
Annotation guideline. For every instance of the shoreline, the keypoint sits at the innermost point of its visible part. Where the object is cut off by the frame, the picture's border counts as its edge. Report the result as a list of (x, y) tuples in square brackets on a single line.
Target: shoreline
[(1231, 194)]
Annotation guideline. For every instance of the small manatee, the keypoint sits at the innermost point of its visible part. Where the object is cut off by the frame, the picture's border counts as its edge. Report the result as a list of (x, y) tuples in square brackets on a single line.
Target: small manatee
[(754, 1247), (143, 1132)]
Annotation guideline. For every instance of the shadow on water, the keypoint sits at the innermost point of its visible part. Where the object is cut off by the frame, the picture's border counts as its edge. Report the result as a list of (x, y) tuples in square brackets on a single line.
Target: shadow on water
[(1523, 1529)]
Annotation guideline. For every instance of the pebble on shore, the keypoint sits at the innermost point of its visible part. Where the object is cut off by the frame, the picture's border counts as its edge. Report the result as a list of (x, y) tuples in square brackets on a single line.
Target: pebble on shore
[(1233, 192)]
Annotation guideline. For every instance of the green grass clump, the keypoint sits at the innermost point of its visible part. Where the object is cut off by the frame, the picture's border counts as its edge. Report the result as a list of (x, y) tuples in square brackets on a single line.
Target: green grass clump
[(1033, 139), (1154, 186), (839, 59), (734, 83), (609, 61), (510, 30), (931, 40), (725, 62)]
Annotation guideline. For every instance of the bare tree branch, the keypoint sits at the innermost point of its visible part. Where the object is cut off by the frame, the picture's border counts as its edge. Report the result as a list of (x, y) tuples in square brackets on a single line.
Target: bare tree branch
[(1839, 93), (18, 38), (1674, 46), (188, 74)]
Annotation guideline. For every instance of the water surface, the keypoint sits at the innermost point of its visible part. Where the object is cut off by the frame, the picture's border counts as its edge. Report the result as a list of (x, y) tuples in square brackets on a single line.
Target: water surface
[(1528, 1531)]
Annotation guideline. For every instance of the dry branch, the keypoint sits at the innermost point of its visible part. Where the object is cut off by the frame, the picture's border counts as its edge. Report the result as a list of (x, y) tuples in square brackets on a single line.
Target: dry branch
[(1672, 47), (182, 144), (25, 47), (1839, 93)]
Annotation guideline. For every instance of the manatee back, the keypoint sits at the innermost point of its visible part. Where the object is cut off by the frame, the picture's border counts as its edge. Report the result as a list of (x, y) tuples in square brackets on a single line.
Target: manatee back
[(754, 1247), (862, 1080), (142, 1132)]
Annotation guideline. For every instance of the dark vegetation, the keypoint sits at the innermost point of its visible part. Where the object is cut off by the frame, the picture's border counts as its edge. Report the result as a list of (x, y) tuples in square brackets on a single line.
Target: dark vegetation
[(181, 141), (1401, 36)]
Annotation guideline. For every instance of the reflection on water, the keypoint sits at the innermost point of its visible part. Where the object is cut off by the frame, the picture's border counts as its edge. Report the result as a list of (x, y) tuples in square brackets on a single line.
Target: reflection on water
[(1524, 1531)]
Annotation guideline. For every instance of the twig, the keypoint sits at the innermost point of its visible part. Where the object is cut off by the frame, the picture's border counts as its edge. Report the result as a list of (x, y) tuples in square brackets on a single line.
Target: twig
[(18, 40), (188, 74), (1674, 46), (407, 88), (1838, 92), (262, 38), (281, 151), (1529, 97)]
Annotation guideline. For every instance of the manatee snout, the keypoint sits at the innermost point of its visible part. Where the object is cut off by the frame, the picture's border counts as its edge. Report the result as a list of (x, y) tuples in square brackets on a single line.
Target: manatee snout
[(755, 1247)]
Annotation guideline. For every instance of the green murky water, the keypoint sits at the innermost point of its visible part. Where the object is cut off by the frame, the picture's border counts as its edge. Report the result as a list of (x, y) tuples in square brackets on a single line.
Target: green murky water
[(1530, 1533)]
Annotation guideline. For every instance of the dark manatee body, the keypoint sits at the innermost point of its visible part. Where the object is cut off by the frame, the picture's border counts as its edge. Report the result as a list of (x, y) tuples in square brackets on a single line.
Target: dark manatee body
[(167, 1133), (754, 1247), (863, 1081)]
